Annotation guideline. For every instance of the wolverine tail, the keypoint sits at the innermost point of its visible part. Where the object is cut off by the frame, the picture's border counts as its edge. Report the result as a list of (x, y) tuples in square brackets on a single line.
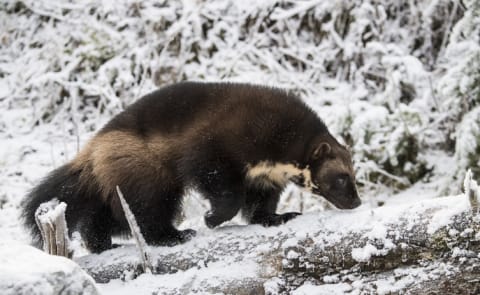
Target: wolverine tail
[(62, 183)]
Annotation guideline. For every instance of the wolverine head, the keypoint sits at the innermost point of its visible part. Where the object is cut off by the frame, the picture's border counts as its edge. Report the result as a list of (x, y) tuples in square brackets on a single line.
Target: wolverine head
[(332, 174)]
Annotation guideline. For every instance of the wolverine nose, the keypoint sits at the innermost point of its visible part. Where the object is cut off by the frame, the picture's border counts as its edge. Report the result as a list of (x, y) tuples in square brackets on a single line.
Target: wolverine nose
[(356, 202)]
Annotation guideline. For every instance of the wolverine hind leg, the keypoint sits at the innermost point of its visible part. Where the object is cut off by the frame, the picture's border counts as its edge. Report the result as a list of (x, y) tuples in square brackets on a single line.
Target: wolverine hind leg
[(96, 230), (143, 168), (92, 218)]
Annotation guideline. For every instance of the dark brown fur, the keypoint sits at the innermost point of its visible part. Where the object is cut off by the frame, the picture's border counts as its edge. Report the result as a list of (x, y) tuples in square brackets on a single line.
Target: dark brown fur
[(238, 144)]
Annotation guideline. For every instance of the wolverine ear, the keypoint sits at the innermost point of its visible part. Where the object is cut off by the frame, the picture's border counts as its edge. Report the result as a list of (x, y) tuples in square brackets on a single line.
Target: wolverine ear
[(321, 150)]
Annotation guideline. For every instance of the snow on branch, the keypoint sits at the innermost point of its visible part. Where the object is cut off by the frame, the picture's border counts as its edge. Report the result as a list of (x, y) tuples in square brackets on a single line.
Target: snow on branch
[(472, 190), (50, 218), (136, 233)]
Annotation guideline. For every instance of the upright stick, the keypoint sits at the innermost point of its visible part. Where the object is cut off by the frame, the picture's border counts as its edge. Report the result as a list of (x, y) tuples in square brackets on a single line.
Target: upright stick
[(136, 233)]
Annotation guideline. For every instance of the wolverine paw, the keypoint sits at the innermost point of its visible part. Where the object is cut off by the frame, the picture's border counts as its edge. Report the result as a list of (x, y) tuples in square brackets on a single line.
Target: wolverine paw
[(186, 235), (273, 219), (213, 220), (176, 237), (289, 215)]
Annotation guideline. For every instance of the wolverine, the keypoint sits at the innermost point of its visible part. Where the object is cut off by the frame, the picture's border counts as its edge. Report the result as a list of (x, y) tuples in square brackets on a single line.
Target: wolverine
[(239, 145)]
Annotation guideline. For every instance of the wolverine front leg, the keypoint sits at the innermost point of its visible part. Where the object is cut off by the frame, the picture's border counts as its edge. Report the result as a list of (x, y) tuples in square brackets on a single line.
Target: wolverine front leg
[(220, 183), (224, 206), (261, 205)]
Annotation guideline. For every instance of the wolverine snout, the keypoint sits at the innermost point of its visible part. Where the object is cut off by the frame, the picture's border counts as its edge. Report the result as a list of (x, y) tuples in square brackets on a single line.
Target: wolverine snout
[(356, 202)]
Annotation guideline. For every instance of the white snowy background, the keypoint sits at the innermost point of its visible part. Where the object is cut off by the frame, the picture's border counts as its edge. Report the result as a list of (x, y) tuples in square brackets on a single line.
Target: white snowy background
[(398, 81)]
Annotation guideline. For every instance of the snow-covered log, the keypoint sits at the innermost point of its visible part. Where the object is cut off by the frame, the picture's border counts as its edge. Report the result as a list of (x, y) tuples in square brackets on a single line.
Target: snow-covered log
[(50, 218), (338, 247)]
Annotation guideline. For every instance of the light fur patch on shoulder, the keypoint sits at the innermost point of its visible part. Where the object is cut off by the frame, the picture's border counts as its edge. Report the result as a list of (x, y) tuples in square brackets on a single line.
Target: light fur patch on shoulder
[(278, 174)]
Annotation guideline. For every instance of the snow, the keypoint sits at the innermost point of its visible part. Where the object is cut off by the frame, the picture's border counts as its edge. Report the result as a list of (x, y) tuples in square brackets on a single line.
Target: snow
[(217, 275), (309, 289), (49, 211), (364, 254), (67, 67), (468, 134), (26, 270), (441, 219)]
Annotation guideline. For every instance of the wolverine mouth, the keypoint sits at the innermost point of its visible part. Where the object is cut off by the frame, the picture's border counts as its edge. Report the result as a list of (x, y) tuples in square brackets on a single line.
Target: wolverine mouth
[(345, 204), (341, 202), (338, 204)]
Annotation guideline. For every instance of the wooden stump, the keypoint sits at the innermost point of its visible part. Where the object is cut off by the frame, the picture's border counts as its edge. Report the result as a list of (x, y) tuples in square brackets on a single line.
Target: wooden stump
[(50, 218)]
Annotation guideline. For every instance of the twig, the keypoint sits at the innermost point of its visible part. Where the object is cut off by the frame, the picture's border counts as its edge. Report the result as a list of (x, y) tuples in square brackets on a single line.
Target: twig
[(294, 11), (449, 27), (432, 91), (136, 233), (472, 191)]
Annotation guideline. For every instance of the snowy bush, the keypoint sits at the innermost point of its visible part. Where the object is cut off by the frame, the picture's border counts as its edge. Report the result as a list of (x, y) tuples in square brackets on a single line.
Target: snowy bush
[(386, 145), (459, 89), (467, 148)]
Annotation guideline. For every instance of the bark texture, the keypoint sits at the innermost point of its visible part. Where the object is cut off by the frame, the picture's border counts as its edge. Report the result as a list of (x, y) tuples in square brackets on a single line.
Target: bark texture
[(50, 218)]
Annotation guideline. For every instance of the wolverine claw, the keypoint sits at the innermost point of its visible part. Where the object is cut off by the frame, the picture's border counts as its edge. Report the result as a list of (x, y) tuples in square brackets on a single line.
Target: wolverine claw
[(186, 235), (274, 219), (176, 237), (288, 216), (212, 220)]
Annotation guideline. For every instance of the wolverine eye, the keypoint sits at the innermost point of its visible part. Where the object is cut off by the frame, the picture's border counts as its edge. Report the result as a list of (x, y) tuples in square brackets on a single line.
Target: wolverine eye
[(341, 181)]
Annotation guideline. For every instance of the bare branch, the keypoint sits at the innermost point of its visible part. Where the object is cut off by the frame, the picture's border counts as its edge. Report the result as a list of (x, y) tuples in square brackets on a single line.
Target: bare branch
[(472, 191), (136, 233)]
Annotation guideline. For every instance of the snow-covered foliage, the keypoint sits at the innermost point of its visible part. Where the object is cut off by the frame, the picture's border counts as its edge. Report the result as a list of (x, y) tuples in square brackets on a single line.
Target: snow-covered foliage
[(467, 149), (396, 80), (390, 77)]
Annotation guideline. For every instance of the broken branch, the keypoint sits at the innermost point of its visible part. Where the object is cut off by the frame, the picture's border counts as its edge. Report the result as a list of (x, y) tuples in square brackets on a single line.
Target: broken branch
[(136, 233)]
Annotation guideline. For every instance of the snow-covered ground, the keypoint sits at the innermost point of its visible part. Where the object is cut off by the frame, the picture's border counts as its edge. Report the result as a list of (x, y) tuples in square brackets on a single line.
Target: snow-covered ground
[(398, 81), (26, 270)]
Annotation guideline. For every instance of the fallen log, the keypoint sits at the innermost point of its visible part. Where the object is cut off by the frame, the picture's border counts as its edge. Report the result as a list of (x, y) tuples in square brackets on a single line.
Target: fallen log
[(310, 248), (334, 247)]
